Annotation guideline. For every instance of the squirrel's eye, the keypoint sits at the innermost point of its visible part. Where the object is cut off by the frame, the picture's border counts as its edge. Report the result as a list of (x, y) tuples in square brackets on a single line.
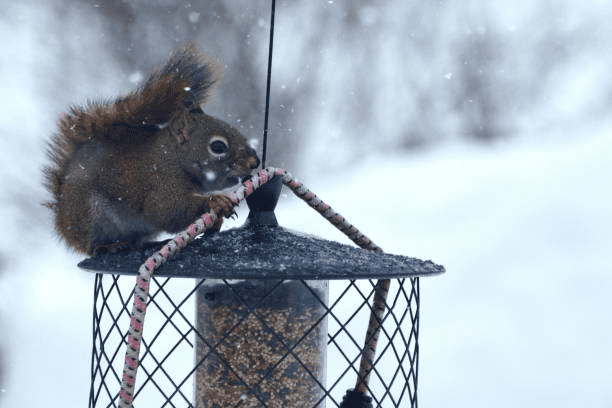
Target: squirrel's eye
[(218, 145)]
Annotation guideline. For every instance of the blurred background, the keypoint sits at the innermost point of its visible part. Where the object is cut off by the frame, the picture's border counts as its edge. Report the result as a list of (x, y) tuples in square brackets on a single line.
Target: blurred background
[(476, 134)]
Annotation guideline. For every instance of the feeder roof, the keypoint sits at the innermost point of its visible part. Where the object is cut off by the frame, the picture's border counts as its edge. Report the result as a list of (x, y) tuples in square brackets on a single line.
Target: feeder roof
[(265, 252)]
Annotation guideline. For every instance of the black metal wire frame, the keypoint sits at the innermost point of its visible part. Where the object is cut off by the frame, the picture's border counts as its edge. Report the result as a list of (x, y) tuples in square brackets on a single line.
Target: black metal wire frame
[(393, 380)]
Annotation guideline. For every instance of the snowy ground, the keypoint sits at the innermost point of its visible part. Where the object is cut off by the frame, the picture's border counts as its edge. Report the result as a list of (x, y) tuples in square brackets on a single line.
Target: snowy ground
[(521, 318)]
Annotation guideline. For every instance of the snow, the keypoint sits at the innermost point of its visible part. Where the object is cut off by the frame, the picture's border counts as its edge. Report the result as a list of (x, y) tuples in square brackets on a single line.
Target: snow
[(210, 175)]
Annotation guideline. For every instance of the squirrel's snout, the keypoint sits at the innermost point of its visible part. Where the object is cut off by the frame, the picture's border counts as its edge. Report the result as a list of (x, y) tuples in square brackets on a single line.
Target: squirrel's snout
[(252, 162)]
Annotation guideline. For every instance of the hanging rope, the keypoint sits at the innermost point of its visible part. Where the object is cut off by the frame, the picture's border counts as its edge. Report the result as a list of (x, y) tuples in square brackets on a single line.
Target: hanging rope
[(145, 272)]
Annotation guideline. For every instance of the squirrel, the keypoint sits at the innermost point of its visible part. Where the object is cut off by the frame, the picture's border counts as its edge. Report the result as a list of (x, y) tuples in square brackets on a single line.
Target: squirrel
[(150, 161)]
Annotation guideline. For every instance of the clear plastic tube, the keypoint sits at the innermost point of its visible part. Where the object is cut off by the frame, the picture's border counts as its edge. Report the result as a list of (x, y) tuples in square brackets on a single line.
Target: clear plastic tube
[(261, 341)]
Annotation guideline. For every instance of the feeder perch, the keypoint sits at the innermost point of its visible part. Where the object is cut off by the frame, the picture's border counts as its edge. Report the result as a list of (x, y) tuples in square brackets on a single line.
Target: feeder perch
[(262, 329)]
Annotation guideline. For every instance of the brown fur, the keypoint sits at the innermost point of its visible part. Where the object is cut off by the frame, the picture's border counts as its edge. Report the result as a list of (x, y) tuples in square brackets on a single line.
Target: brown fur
[(148, 162)]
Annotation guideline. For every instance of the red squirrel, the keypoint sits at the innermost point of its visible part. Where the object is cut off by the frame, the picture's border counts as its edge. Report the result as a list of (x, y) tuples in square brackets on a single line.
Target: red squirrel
[(150, 161)]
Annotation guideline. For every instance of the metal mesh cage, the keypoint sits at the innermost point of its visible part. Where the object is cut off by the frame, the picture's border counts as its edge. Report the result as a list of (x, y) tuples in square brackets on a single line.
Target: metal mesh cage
[(170, 361)]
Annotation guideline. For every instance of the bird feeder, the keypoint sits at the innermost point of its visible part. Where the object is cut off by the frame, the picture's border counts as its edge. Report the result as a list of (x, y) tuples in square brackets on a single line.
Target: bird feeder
[(259, 316)]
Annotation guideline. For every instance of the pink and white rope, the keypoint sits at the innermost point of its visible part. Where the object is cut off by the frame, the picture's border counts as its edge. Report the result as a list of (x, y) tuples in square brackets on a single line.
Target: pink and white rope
[(145, 272)]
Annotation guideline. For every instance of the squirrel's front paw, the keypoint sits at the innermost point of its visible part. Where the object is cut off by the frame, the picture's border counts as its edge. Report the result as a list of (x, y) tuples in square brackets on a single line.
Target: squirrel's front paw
[(221, 204)]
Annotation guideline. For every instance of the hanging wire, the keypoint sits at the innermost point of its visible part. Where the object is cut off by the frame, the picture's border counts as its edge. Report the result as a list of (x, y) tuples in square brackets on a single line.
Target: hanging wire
[(265, 135)]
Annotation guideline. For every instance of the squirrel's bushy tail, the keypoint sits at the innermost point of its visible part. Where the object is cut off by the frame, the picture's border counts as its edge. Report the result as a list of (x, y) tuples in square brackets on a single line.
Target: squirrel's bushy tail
[(182, 83)]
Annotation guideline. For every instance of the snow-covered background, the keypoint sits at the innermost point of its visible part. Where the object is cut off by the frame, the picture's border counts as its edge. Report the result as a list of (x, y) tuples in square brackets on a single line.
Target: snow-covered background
[(472, 133)]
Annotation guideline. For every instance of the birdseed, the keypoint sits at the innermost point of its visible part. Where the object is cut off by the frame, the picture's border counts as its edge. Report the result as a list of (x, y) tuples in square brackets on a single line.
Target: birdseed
[(243, 358)]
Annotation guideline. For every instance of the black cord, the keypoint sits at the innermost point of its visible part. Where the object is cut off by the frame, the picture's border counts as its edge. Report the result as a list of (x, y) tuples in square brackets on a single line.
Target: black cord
[(265, 135)]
